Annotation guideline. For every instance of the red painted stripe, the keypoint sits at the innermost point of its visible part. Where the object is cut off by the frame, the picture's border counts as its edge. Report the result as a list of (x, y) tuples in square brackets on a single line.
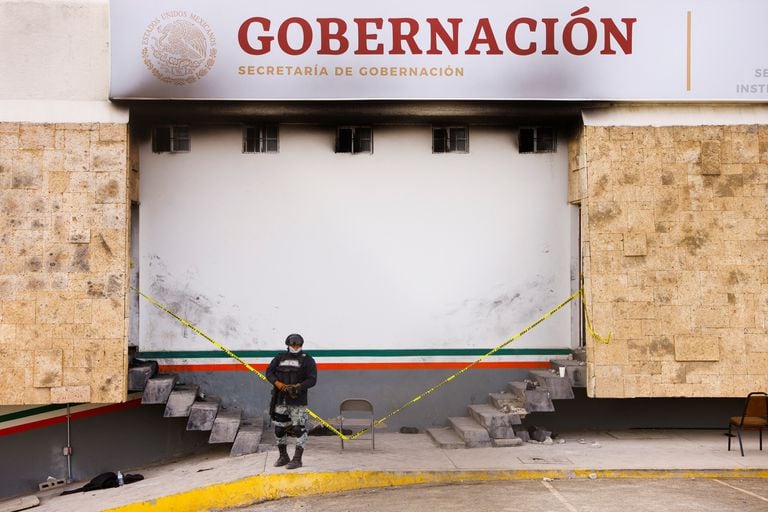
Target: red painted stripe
[(74, 416), (170, 368)]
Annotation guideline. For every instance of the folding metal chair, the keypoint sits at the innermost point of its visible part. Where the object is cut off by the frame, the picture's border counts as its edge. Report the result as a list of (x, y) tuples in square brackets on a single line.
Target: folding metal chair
[(357, 412), (754, 417)]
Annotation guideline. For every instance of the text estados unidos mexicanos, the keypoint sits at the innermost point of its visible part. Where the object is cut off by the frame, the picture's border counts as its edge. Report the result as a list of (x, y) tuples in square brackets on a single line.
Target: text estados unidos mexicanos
[(576, 35)]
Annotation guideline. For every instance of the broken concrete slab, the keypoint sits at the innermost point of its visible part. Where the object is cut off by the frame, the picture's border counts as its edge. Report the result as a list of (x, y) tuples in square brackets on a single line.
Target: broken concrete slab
[(535, 399), (508, 403), (180, 401), (202, 414), (139, 374), (225, 426), (159, 388), (497, 423), (248, 437), (559, 387), (575, 371)]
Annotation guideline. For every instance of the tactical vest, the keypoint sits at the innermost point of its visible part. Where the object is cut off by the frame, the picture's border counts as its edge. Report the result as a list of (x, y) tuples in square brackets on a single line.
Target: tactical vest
[(289, 368)]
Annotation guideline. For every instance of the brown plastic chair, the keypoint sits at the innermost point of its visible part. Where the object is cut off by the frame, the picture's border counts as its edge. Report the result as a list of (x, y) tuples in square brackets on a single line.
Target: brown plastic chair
[(359, 413), (755, 417)]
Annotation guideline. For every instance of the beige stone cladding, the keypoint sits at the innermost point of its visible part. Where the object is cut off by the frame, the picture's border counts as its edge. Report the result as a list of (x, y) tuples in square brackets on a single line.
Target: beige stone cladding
[(675, 258), (63, 262)]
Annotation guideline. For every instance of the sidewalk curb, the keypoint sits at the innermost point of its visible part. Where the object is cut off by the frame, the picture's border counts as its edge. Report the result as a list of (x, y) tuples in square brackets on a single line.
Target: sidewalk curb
[(267, 487)]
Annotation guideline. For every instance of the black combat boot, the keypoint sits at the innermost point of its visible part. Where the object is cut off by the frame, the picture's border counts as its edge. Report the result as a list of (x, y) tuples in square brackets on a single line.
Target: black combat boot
[(296, 461), (283, 459)]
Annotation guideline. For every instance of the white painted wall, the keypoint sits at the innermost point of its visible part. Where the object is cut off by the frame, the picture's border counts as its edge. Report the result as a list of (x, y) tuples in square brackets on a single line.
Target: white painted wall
[(399, 249), (54, 63)]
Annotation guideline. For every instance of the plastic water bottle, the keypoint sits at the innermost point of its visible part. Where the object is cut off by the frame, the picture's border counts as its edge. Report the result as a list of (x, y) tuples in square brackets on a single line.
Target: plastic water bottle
[(120, 481)]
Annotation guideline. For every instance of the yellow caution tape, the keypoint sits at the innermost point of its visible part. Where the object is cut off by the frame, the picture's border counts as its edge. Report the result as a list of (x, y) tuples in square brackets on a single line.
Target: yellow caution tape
[(589, 324), (230, 354), (413, 400)]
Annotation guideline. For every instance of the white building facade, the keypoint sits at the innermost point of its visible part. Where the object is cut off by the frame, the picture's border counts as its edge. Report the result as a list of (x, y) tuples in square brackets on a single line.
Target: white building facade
[(407, 186)]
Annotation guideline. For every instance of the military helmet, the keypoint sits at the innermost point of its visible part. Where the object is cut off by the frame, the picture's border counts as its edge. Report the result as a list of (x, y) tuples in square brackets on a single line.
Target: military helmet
[(294, 339)]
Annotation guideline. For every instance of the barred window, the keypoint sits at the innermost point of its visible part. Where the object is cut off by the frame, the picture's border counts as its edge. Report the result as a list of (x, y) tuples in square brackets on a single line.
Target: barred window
[(354, 139), (260, 139), (450, 139), (170, 139), (537, 139)]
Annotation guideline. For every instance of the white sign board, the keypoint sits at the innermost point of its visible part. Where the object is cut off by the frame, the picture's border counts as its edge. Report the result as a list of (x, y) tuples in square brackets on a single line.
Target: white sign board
[(334, 49)]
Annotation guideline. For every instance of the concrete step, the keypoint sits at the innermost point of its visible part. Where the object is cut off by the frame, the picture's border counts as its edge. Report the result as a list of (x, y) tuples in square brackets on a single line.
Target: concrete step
[(509, 403), (559, 387), (446, 437), (497, 423), (180, 401), (225, 426), (203, 413), (506, 443), (159, 388), (535, 399), (575, 371), (139, 374), (268, 441), (473, 434), (248, 437)]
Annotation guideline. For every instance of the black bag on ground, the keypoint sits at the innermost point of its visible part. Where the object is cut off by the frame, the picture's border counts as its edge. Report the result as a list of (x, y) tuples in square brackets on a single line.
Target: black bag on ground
[(104, 481)]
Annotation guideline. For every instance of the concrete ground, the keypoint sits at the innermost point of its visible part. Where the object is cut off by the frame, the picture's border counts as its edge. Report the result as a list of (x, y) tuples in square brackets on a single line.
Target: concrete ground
[(216, 481), (612, 495)]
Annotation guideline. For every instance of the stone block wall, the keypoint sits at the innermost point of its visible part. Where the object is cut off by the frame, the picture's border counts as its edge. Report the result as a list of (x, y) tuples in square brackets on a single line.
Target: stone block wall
[(675, 258), (63, 262)]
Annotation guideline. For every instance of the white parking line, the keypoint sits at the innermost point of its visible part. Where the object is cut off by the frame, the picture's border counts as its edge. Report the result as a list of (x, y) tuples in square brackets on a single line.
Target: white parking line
[(559, 496), (742, 490)]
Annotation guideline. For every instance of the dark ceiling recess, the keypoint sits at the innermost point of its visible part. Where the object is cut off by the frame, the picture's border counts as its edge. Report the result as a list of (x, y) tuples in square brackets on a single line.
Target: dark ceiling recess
[(361, 112)]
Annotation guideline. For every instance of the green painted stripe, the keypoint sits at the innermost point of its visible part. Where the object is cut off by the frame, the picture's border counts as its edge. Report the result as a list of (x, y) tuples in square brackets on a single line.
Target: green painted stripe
[(31, 412), (205, 354)]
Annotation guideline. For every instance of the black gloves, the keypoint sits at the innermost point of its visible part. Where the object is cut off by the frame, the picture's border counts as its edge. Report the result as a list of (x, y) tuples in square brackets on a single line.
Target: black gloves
[(292, 390)]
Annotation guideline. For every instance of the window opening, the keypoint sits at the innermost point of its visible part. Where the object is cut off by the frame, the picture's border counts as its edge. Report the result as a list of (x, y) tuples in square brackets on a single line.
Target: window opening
[(260, 139), (170, 139), (354, 139), (537, 139), (450, 139)]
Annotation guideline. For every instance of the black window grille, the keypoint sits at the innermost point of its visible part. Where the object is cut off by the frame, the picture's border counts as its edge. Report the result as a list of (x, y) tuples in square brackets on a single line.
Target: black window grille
[(261, 139), (450, 139), (354, 139), (170, 139)]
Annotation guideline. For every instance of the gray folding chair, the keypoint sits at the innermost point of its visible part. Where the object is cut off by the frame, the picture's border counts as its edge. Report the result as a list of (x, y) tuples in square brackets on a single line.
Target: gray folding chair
[(357, 412)]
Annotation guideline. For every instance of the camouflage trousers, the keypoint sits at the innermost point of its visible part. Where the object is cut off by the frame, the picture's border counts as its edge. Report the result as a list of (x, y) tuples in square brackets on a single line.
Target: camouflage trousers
[(297, 424)]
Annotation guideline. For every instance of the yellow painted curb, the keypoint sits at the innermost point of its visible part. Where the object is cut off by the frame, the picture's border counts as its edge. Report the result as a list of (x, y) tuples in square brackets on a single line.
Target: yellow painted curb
[(273, 486)]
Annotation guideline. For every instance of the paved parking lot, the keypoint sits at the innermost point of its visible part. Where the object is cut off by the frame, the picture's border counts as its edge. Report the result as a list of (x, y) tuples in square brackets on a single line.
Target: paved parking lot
[(613, 495)]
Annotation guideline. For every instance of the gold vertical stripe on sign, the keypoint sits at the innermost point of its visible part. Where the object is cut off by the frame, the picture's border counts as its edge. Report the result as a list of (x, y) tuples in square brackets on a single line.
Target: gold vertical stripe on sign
[(688, 54)]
